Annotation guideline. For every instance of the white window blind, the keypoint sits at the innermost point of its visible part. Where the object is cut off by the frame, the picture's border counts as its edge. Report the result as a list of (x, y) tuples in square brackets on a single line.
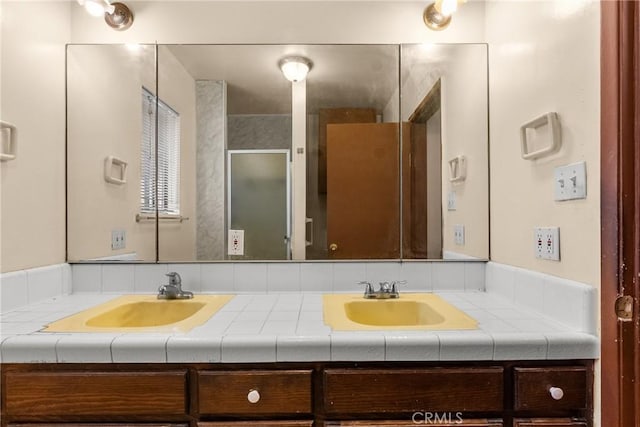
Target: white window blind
[(168, 190)]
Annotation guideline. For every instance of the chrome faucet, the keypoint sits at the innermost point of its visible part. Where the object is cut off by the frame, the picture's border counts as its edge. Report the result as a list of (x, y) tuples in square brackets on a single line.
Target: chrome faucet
[(387, 290), (174, 289)]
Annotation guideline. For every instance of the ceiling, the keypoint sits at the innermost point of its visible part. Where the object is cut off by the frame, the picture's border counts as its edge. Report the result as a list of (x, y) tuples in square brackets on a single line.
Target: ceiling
[(355, 76)]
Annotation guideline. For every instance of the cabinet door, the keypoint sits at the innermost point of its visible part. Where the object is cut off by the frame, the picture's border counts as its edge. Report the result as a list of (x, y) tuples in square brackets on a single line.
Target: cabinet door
[(533, 388), (393, 391), (249, 394), (549, 422), (46, 395), (257, 424), (96, 425), (413, 423)]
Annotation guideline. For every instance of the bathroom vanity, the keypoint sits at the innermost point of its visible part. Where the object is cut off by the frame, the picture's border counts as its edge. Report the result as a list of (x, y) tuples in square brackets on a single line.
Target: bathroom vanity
[(270, 360), (479, 394)]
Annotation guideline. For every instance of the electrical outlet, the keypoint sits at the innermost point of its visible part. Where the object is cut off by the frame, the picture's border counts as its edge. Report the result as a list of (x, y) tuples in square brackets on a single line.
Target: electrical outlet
[(451, 201), (236, 242), (547, 243), (118, 239), (458, 234)]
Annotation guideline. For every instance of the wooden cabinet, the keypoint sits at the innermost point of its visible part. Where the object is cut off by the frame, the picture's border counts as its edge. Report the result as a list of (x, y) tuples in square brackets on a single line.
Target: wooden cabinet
[(257, 424), (549, 422), (97, 425), (255, 393), (550, 388), (331, 394), (34, 395), (366, 391), (412, 423)]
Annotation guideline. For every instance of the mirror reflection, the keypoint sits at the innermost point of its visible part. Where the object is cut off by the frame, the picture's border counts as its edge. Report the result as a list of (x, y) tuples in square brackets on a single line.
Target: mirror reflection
[(108, 131), (233, 161), (445, 172)]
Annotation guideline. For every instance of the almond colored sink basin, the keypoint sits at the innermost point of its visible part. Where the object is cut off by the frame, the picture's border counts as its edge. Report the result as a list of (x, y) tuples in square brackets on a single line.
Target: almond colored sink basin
[(143, 313), (351, 312)]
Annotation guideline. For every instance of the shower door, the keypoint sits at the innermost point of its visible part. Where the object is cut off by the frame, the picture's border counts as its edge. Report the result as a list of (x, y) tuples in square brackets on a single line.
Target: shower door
[(259, 202)]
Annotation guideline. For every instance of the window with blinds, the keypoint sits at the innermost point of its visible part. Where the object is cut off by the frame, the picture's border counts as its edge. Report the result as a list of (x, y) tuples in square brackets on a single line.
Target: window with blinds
[(168, 185)]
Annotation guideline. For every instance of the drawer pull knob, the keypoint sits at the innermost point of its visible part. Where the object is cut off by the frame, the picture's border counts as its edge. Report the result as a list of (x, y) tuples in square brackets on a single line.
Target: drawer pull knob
[(253, 396), (556, 393)]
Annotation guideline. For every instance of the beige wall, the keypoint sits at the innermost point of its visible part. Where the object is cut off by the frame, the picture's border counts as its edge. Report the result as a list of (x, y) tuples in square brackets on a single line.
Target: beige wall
[(463, 74), (33, 36), (104, 118), (241, 21), (464, 132), (177, 88), (544, 56)]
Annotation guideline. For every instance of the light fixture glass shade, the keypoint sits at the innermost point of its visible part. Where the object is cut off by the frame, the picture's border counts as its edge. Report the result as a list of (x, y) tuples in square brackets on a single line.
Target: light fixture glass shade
[(295, 68), (446, 7), (97, 7)]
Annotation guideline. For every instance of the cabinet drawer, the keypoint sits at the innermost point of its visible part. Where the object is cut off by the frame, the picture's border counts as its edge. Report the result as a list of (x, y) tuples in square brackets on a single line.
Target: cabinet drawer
[(366, 391), (249, 393), (418, 421), (549, 422), (533, 388), (50, 394), (258, 424), (97, 425)]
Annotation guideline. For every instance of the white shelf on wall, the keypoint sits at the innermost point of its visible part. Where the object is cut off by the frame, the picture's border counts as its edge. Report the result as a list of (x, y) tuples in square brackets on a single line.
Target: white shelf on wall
[(11, 142), (529, 129), (112, 164)]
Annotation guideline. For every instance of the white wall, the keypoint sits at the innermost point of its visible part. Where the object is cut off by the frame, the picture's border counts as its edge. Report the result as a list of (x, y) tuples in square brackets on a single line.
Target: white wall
[(33, 37), (544, 56)]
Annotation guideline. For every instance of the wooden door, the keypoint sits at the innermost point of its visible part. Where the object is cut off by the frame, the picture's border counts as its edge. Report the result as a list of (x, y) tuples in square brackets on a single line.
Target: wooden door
[(363, 192), (336, 115), (414, 190), (620, 211)]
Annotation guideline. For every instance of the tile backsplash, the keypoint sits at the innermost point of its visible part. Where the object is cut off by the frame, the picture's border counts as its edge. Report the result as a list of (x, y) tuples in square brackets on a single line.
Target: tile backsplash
[(573, 303), (566, 301), (24, 287), (279, 276)]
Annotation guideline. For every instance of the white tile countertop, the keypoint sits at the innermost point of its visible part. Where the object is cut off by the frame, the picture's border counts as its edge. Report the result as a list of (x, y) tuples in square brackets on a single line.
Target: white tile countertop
[(289, 327)]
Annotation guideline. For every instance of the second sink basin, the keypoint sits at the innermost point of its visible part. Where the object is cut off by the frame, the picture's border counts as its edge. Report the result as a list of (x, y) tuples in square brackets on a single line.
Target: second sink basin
[(143, 313), (411, 311)]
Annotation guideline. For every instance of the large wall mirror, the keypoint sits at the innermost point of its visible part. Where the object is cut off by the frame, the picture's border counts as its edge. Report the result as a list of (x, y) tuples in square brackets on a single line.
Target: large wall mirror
[(380, 153)]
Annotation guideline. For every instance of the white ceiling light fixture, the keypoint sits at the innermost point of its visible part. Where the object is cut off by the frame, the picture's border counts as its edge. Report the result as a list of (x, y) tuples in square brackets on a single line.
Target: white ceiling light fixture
[(295, 68), (117, 15)]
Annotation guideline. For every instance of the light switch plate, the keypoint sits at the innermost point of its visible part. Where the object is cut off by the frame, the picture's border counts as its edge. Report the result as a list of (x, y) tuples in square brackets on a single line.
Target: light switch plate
[(451, 201), (570, 181), (236, 242), (118, 239)]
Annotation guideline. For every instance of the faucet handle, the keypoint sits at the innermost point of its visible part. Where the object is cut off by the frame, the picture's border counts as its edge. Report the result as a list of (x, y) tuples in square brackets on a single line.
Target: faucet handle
[(398, 282), (368, 289), (174, 278)]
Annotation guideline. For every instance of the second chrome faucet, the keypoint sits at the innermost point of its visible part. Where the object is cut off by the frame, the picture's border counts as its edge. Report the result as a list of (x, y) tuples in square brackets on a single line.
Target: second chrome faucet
[(387, 290), (174, 289)]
